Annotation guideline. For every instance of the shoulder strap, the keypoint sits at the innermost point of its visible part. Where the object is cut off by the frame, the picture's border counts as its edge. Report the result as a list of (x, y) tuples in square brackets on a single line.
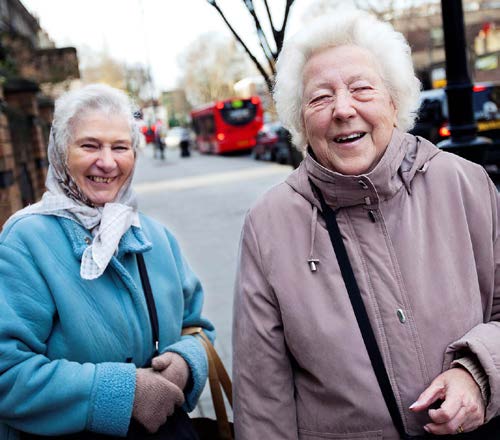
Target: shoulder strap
[(218, 378), (360, 312), (146, 286)]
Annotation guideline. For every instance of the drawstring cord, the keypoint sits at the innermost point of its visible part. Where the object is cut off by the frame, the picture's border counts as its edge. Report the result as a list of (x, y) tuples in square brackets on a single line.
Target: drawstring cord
[(313, 262)]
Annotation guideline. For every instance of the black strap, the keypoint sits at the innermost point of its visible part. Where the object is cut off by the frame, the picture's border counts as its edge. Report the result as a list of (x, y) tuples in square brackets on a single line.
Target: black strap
[(146, 286), (360, 312)]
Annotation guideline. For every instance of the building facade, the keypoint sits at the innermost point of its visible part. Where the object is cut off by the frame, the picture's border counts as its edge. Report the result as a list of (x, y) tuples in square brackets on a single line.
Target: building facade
[(423, 29), (29, 63)]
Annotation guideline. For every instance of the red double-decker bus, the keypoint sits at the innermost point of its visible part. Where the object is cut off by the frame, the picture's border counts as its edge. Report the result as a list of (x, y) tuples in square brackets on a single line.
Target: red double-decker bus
[(227, 125)]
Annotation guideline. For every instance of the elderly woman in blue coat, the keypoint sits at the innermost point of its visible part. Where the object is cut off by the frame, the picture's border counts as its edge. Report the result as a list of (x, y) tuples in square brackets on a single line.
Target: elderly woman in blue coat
[(75, 331)]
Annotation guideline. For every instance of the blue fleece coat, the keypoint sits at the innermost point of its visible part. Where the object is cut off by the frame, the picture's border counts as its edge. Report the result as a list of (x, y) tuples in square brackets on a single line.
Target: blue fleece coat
[(69, 347)]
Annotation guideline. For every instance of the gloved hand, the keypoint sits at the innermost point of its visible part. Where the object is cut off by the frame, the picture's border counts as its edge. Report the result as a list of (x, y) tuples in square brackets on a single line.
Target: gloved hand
[(173, 367), (155, 399)]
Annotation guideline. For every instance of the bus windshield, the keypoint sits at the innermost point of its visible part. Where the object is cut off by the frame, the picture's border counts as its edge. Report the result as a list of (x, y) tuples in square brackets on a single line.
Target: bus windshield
[(238, 112)]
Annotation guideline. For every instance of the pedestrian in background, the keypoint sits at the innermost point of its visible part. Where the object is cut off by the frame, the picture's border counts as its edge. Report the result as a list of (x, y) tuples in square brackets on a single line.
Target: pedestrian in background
[(415, 233), (78, 335), (159, 142), (185, 141)]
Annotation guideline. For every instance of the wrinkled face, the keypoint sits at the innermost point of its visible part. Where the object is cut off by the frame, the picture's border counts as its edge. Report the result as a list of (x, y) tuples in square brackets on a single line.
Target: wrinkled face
[(100, 156), (347, 111)]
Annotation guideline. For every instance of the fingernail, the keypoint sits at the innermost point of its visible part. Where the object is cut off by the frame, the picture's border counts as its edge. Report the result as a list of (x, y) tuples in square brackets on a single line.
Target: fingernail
[(414, 404), (427, 428)]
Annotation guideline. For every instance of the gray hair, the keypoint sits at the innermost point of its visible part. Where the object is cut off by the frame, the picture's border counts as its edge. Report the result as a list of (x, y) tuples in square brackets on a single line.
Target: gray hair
[(71, 106), (357, 28)]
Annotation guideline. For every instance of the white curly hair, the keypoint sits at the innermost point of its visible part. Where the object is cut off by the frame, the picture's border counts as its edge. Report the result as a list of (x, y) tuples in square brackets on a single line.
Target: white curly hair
[(73, 105), (357, 28)]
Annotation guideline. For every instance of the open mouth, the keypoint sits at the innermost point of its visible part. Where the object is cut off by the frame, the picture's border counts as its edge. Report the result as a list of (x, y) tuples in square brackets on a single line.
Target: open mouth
[(349, 138), (99, 179)]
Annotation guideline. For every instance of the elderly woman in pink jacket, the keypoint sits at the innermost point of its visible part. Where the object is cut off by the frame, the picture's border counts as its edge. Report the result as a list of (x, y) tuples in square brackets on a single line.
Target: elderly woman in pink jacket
[(367, 297)]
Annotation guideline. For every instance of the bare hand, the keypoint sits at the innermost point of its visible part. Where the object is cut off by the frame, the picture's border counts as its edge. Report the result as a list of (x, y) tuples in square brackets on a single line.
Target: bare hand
[(462, 409)]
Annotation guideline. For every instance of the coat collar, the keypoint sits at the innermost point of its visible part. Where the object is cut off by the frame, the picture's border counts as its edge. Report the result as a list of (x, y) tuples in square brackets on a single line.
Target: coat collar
[(402, 158), (134, 240)]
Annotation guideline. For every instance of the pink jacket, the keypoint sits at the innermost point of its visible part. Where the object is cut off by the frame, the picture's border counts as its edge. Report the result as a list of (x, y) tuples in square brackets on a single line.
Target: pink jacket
[(421, 233)]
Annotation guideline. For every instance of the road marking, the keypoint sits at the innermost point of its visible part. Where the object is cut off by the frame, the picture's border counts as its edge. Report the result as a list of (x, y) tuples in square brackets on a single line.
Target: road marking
[(210, 179)]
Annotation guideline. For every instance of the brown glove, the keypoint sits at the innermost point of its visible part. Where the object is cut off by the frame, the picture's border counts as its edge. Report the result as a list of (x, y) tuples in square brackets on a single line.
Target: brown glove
[(155, 399), (173, 367)]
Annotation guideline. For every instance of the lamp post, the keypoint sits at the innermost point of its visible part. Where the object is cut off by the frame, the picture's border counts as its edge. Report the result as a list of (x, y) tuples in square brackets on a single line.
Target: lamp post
[(459, 90)]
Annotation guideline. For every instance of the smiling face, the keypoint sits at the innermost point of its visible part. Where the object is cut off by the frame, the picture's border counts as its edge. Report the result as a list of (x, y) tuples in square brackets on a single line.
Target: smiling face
[(347, 111), (100, 155)]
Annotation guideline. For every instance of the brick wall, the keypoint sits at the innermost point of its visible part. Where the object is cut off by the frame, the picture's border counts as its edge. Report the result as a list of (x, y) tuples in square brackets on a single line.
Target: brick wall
[(10, 196), (23, 146)]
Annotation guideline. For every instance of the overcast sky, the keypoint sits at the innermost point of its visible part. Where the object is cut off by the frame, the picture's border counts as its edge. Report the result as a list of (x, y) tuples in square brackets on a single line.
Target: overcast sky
[(143, 31)]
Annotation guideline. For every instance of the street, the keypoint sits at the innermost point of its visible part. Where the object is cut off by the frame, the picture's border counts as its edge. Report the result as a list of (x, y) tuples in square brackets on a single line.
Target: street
[(203, 200)]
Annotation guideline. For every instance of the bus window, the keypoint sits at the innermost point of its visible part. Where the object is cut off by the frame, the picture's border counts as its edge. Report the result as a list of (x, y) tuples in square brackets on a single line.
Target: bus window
[(208, 124), (196, 126)]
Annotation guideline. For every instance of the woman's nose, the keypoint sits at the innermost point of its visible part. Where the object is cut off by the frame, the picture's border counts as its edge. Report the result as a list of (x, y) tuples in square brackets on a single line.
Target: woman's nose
[(106, 160), (343, 108)]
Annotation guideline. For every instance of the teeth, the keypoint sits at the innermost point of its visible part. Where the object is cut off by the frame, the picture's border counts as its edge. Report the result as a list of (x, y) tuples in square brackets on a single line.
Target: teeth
[(101, 179), (349, 138)]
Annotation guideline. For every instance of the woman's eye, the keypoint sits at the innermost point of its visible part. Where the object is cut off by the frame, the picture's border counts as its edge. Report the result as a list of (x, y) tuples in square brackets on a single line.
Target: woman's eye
[(320, 98), (120, 148), (361, 88), (90, 146)]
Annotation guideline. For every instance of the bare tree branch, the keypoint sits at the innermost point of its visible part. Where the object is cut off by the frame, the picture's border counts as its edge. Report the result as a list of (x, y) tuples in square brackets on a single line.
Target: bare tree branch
[(262, 71), (281, 33), (264, 43), (270, 18)]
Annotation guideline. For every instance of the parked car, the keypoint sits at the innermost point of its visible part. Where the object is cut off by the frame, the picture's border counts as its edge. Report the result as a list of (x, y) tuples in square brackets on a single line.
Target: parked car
[(432, 121), (272, 143), (266, 140)]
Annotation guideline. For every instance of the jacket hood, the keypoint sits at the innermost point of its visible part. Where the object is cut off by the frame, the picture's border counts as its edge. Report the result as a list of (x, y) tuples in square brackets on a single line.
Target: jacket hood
[(404, 157)]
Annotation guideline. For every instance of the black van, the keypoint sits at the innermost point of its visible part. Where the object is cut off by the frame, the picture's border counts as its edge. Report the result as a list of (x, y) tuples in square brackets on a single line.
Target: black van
[(432, 120)]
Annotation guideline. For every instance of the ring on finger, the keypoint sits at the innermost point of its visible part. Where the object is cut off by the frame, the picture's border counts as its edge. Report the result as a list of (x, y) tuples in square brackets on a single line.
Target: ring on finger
[(460, 429)]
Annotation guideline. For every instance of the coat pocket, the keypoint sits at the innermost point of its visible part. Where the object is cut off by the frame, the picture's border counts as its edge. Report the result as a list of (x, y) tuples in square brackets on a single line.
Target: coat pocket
[(306, 434)]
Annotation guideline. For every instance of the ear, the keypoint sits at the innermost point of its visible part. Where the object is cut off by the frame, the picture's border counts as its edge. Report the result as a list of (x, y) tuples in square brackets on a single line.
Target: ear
[(394, 114)]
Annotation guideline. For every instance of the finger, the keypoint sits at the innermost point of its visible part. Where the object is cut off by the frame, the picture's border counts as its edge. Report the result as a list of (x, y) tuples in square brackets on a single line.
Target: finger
[(152, 429), (450, 426), (169, 374), (177, 394), (174, 400), (463, 420), (172, 370), (152, 425), (448, 410), (161, 362), (431, 394), (179, 398)]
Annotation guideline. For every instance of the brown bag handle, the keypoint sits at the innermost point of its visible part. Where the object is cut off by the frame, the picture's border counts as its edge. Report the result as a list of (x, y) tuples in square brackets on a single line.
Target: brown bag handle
[(218, 377)]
